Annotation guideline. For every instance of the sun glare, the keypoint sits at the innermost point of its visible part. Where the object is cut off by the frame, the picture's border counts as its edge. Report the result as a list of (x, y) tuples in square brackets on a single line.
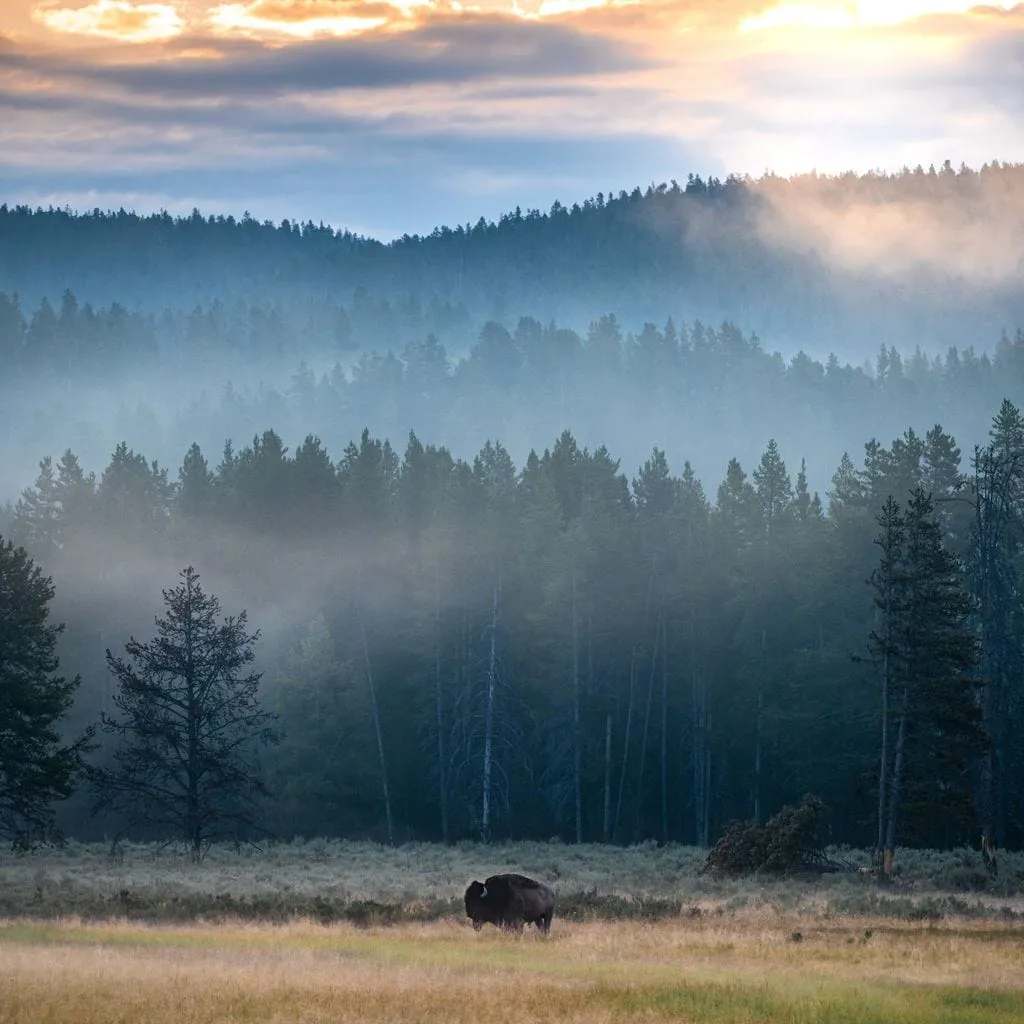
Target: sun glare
[(115, 19), (828, 15)]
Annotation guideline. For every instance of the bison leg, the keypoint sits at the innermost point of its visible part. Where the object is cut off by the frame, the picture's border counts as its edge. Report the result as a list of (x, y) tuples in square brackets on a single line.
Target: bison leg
[(477, 925), (544, 922)]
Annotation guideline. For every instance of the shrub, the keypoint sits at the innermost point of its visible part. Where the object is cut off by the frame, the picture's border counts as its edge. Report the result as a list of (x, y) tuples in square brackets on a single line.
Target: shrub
[(966, 878), (787, 843)]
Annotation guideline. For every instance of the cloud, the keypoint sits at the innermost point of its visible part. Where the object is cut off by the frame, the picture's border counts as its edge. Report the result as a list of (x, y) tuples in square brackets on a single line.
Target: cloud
[(293, 95), (115, 19), (300, 19), (444, 51), (557, 8), (385, 131), (822, 14)]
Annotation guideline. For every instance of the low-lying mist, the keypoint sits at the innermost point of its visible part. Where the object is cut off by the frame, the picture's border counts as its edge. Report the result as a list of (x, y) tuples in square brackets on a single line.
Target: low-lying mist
[(702, 395)]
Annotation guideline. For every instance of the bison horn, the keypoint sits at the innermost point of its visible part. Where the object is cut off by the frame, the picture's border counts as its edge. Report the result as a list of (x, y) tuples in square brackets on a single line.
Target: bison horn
[(483, 890)]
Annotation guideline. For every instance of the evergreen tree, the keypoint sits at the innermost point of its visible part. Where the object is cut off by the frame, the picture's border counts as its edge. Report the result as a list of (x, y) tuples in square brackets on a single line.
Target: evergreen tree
[(737, 503), (847, 491), (36, 766), (929, 654), (368, 473), (993, 562), (134, 495), (774, 490), (12, 332), (190, 724), (316, 490), (38, 513), (261, 482), (195, 495), (77, 495)]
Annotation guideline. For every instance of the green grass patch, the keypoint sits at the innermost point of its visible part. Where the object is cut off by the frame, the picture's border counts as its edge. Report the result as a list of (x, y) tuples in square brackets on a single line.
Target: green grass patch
[(818, 1003)]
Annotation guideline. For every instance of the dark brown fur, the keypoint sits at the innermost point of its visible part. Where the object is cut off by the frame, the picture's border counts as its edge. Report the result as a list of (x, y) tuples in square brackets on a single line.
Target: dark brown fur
[(510, 901)]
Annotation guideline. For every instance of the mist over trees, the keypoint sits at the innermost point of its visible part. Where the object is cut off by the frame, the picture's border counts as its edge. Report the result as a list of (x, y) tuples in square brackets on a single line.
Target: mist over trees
[(708, 393), (464, 648), (858, 260), (524, 567)]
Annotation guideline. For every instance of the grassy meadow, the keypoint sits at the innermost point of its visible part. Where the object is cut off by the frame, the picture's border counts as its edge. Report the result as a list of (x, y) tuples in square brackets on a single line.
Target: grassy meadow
[(338, 931), (745, 967)]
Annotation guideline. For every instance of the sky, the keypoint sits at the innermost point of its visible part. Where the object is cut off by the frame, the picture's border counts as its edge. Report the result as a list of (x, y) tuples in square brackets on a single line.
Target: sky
[(394, 116)]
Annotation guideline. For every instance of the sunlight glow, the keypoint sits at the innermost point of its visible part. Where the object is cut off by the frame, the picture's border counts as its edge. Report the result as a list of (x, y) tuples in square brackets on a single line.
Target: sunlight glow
[(115, 19), (846, 14), (552, 8), (556, 8), (298, 20)]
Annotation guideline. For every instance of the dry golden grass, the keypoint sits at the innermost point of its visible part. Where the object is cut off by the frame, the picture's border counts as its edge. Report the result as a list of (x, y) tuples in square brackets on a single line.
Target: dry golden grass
[(745, 968)]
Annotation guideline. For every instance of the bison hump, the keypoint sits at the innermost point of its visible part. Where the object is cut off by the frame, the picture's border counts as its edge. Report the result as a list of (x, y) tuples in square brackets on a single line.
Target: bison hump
[(519, 881)]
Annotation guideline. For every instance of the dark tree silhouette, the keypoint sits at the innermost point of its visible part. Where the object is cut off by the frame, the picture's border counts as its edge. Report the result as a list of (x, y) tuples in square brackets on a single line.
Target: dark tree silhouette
[(929, 653), (35, 768), (190, 724)]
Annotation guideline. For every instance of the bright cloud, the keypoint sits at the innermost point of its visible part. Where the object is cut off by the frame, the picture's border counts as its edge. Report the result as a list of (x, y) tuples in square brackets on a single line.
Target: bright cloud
[(115, 19), (307, 19), (557, 8), (846, 14)]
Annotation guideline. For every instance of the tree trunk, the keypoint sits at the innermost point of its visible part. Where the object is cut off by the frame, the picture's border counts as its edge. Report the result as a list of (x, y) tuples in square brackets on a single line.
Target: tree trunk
[(638, 820), (625, 742), (195, 714), (664, 735), (577, 738), (883, 770), (442, 767), (701, 743), (194, 824), (492, 686), (988, 661), (706, 788), (632, 694), (894, 793), (758, 723), (380, 736), (606, 829)]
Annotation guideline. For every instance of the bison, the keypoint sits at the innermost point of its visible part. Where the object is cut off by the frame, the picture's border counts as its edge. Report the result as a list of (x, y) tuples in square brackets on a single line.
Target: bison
[(510, 901)]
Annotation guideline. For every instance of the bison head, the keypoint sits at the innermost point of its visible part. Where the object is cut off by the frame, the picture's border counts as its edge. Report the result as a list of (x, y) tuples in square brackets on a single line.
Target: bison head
[(477, 908)]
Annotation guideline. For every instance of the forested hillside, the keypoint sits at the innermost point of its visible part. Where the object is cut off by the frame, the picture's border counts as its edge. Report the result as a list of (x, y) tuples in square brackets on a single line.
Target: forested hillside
[(611, 653), (829, 264), (615, 522)]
